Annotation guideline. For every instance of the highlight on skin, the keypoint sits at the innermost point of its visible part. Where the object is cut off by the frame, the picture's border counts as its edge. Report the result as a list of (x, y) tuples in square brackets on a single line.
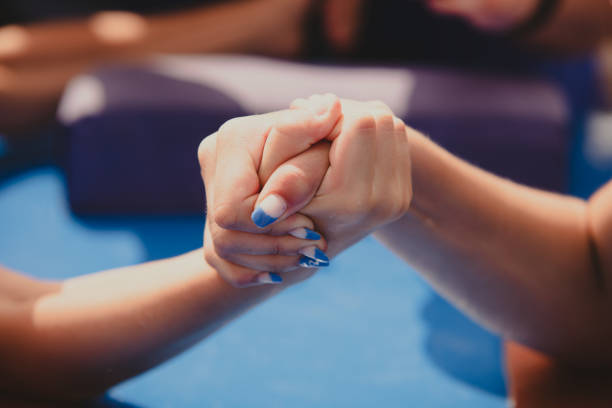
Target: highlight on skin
[(14, 40), (118, 27), (7, 76)]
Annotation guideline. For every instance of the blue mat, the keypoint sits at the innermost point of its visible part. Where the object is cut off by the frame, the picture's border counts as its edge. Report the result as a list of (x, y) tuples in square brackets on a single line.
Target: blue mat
[(367, 331)]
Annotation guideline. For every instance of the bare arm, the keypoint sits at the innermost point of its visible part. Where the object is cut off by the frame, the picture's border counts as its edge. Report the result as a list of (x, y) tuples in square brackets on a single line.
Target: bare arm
[(37, 60), (76, 338), (520, 261)]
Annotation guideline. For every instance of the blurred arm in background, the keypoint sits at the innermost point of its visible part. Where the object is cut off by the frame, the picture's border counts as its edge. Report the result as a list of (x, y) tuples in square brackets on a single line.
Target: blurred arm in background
[(37, 60)]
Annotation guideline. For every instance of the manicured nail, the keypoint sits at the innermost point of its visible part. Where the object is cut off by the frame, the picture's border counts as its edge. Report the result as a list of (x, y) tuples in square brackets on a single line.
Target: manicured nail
[(305, 233), (269, 210), (314, 253), (306, 262), (269, 278)]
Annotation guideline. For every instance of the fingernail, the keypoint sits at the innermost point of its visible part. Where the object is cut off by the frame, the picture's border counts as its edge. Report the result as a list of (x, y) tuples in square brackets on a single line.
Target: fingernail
[(269, 278), (268, 211), (315, 253), (305, 233), (306, 262)]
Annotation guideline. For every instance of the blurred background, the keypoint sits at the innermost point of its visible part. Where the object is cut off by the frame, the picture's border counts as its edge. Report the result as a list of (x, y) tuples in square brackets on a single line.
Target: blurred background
[(103, 104)]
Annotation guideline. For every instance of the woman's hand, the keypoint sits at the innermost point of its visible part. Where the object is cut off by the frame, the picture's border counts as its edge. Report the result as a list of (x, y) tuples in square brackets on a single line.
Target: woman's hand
[(360, 184), (233, 171), (368, 183), (490, 15)]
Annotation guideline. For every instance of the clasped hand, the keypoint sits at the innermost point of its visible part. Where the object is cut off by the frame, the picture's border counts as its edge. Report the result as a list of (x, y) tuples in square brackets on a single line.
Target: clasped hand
[(288, 190)]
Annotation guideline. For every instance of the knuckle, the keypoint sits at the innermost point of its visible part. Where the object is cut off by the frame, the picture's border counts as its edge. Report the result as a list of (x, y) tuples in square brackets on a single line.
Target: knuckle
[(364, 123), (378, 104), (229, 126), (398, 124), (384, 118), (223, 245), (225, 216), (296, 178), (205, 148), (275, 247)]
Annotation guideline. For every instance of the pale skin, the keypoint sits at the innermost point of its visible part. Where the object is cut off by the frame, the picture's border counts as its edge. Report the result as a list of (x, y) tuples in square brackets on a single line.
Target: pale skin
[(530, 265)]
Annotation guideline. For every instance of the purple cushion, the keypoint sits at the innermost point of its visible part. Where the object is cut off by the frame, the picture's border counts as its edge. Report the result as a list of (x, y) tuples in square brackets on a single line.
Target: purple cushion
[(133, 132)]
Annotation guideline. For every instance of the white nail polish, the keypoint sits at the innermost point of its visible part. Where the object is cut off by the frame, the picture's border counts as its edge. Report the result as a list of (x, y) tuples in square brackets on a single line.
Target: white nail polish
[(274, 206), (269, 278), (314, 253)]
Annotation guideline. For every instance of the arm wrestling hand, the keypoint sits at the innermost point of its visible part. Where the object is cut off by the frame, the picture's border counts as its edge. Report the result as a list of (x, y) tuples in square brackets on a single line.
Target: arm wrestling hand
[(368, 183), (246, 254)]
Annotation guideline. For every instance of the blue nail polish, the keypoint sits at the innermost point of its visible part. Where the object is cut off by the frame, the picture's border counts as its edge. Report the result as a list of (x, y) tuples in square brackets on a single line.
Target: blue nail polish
[(275, 277), (321, 256), (307, 262), (312, 235), (261, 219)]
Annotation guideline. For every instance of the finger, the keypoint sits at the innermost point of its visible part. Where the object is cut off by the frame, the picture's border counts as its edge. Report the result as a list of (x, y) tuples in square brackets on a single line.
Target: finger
[(277, 263), (352, 156), (386, 144), (298, 131), (227, 243), (240, 220), (236, 275), (292, 185), (206, 157), (240, 148)]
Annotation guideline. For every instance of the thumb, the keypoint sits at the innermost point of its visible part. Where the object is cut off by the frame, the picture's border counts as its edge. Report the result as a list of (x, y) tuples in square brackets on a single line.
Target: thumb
[(297, 130), (294, 161), (292, 185)]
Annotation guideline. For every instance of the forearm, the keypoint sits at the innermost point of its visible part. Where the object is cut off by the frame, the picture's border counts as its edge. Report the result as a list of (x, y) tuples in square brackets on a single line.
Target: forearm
[(516, 259), (577, 26), (116, 34), (99, 329)]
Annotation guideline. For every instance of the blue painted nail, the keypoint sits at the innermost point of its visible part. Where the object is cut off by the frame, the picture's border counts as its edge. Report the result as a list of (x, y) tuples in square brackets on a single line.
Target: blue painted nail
[(305, 233), (261, 219), (321, 256), (269, 210), (307, 262), (269, 278), (312, 235), (314, 253), (275, 277)]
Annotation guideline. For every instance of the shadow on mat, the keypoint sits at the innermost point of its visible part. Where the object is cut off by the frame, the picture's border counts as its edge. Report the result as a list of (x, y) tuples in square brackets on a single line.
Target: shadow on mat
[(462, 349)]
